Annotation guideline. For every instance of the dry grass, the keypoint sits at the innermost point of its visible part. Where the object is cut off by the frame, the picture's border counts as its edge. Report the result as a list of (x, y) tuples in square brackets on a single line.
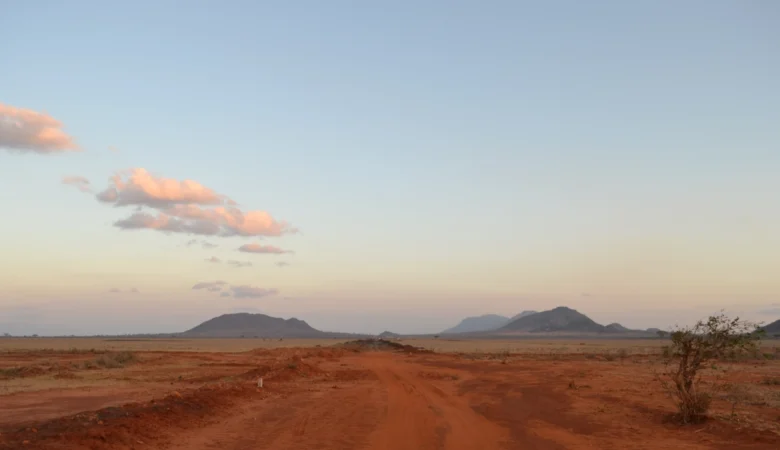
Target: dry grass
[(620, 348), (110, 361), (100, 345)]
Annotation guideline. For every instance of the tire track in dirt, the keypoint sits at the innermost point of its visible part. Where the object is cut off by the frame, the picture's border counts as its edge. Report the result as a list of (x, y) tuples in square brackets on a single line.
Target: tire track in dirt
[(420, 416), (323, 419), (398, 410)]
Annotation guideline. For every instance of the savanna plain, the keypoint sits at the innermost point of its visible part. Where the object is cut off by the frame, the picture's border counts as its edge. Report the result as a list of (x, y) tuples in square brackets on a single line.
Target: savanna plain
[(421, 394)]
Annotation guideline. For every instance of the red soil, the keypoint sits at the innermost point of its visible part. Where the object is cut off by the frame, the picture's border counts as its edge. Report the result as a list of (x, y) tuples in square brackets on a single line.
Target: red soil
[(343, 399)]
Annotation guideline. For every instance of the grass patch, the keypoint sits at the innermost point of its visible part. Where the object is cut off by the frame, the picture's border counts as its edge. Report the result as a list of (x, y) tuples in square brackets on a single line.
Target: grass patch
[(10, 372), (110, 361), (769, 381)]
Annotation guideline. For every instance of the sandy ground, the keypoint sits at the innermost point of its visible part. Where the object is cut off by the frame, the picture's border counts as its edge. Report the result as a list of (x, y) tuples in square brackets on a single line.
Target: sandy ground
[(335, 398)]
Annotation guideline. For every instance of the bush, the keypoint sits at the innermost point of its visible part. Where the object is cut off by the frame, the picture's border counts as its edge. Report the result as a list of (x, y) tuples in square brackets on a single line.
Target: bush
[(10, 372), (717, 338), (111, 360)]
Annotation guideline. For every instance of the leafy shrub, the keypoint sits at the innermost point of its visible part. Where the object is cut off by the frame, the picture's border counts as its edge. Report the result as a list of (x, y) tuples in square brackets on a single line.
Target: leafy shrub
[(692, 348)]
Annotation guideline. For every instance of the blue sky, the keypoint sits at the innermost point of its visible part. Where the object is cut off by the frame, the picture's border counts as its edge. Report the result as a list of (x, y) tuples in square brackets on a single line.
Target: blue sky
[(439, 159)]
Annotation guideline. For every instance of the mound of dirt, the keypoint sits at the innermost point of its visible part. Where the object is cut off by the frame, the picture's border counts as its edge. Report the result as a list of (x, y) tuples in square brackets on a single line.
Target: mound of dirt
[(129, 425), (382, 345)]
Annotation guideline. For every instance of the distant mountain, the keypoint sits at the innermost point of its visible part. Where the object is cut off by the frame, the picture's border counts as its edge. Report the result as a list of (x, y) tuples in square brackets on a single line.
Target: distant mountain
[(389, 335), (488, 322), (653, 330), (253, 325), (522, 314), (615, 328), (772, 329), (558, 319)]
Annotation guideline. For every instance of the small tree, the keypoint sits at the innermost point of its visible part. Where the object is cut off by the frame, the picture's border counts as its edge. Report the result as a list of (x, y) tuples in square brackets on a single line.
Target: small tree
[(661, 334), (692, 348)]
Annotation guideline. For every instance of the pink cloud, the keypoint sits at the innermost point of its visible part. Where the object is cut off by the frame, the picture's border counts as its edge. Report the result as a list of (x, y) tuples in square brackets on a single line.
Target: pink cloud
[(185, 207), (139, 187), (233, 221), (213, 259), (28, 131), (207, 222), (251, 292), (80, 183), (257, 248)]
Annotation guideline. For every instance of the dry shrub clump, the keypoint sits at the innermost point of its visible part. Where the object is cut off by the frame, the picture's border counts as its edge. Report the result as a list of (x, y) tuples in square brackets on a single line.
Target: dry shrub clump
[(111, 361), (692, 349)]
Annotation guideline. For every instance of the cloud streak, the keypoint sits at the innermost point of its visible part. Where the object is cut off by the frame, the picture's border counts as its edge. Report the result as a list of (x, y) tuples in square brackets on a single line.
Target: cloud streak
[(129, 291), (214, 260), (245, 291), (262, 249), (204, 244), (79, 182), (27, 131), (208, 285), (238, 264)]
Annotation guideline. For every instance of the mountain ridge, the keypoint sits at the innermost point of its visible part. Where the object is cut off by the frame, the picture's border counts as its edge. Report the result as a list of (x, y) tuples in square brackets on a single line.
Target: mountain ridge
[(485, 322), (252, 325), (560, 319)]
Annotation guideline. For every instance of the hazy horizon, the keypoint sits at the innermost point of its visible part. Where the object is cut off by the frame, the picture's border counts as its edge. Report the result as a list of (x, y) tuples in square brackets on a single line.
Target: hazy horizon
[(399, 168)]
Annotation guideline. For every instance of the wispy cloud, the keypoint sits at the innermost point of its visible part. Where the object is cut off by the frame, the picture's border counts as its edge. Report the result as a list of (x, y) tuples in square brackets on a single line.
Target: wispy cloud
[(27, 131), (257, 248), (770, 312), (129, 291), (237, 291), (282, 264), (238, 264), (204, 244), (214, 260), (113, 149), (79, 182), (245, 291), (209, 284)]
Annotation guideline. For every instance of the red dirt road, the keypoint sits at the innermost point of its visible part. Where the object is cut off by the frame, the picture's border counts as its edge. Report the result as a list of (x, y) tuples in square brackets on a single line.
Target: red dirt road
[(396, 411), (341, 400)]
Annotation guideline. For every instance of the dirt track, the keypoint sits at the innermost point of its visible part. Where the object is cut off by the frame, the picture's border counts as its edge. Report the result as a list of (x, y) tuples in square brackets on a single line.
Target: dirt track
[(328, 399), (399, 411)]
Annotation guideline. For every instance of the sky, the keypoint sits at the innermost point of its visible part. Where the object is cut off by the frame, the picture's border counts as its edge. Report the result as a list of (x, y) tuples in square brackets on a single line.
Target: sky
[(386, 165)]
